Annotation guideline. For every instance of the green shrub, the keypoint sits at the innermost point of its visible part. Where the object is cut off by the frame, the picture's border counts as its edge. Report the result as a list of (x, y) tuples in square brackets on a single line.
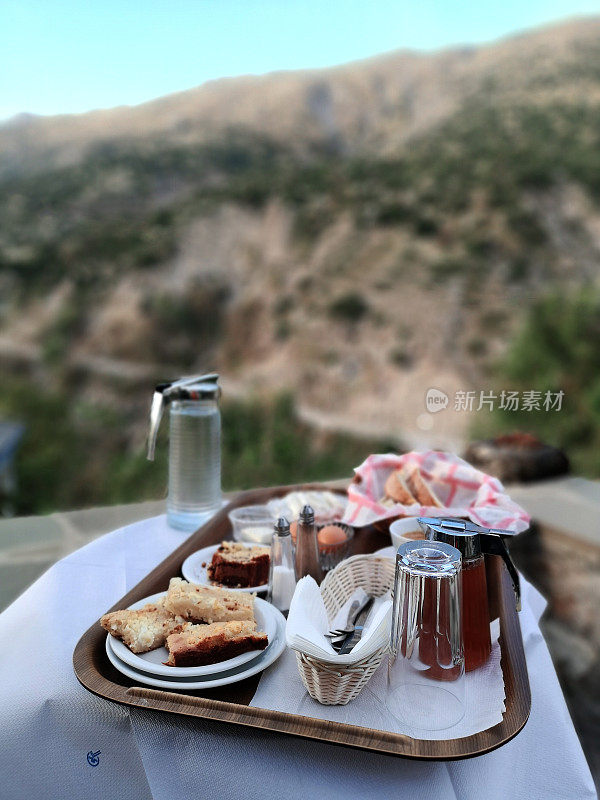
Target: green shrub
[(519, 270), (185, 326), (59, 334), (394, 214), (447, 268), (401, 358), (284, 304), (425, 225), (349, 307), (557, 349), (477, 347), (527, 227), (283, 330)]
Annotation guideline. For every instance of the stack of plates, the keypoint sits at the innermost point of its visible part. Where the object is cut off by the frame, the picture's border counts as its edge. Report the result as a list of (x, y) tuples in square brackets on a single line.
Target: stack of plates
[(148, 668)]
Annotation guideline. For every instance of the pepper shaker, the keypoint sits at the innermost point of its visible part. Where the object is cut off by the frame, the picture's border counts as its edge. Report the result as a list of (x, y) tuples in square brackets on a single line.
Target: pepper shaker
[(282, 574), (307, 546)]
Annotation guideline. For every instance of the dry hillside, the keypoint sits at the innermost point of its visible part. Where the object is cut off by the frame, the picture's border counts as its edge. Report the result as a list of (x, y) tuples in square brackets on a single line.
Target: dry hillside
[(357, 234)]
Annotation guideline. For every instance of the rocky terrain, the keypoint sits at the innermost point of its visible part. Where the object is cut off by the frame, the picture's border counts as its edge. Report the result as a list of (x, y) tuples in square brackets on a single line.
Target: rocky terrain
[(354, 235)]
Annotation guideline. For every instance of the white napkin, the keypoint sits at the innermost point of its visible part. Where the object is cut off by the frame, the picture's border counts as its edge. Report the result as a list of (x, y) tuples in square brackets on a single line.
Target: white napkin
[(340, 619), (307, 625)]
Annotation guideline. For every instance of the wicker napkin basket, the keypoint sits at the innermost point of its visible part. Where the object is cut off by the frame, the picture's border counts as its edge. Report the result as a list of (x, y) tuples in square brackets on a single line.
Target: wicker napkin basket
[(329, 683)]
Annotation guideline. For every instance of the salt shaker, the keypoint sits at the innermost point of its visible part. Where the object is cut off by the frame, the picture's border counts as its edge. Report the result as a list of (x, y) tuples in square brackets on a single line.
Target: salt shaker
[(307, 546), (282, 575)]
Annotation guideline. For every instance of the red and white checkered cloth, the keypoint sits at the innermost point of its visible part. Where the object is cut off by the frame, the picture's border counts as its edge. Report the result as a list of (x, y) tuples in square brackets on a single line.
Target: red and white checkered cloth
[(464, 490)]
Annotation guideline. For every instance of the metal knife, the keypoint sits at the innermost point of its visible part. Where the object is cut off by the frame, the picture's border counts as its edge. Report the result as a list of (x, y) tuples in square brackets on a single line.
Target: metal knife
[(354, 636)]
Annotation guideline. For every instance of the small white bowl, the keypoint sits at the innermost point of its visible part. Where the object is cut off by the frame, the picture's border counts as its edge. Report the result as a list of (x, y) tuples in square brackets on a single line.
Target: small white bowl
[(405, 530)]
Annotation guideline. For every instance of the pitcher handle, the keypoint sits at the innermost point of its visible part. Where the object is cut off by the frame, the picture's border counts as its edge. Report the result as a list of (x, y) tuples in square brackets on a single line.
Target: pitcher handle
[(494, 544)]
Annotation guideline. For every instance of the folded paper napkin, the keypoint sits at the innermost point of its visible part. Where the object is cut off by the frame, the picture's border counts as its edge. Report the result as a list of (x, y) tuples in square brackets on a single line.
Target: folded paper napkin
[(308, 623)]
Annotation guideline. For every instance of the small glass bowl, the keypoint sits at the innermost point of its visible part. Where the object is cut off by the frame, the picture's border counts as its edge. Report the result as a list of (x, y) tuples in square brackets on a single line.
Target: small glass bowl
[(252, 524), (330, 555)]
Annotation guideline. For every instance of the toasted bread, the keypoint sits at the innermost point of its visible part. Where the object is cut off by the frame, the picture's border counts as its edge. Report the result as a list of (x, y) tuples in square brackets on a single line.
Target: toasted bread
[(397, 489), (207, 604), (421, 489), (144, 629)]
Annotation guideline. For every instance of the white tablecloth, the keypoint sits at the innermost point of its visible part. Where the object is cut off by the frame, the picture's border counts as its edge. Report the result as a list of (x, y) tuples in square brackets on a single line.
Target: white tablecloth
[(59, 741)]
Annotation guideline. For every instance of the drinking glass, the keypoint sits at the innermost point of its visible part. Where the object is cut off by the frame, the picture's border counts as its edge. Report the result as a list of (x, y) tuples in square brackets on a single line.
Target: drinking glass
[(426, 669)]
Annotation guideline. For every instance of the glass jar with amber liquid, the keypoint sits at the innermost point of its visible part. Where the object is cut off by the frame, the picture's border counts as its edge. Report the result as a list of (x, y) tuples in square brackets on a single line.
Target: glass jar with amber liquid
[(473, 542)]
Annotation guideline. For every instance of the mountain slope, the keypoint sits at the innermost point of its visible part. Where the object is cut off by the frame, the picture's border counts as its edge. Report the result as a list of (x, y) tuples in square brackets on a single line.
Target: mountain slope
[(372, 105), (357, 235)]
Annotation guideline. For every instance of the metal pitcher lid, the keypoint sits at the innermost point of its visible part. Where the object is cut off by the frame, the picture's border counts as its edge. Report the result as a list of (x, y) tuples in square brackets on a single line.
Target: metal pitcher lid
[(472, 540), (192, 387), (458, 527)]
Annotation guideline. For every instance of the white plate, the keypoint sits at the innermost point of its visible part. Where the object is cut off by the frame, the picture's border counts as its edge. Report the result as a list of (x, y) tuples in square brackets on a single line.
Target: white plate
[(153, 662), (264, 660), (194, 572)]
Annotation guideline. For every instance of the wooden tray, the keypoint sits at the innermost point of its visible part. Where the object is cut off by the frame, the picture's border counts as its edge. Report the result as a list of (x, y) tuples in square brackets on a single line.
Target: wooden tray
[(230, 703)]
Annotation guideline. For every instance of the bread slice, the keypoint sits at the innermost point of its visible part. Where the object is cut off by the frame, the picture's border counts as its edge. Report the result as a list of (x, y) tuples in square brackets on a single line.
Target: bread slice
[(397, 489), (207, 604), (421, 489), (235, 564), (197, 645), (144, 629)]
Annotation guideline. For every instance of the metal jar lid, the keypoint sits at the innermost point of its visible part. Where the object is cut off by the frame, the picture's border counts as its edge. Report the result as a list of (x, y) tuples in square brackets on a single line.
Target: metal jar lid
[(195, 387)]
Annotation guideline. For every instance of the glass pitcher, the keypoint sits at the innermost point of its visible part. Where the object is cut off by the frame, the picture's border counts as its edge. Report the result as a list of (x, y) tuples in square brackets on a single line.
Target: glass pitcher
[(194, 447), (473, 541)]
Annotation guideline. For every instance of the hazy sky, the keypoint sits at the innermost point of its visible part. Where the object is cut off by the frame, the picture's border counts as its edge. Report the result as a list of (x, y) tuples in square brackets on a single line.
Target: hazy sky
[(72, 55)]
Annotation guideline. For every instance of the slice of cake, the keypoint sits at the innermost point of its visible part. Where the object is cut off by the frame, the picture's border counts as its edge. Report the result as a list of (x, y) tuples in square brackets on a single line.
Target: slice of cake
[(197, 645), (235, 564), (144, 629), (207, 604)]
